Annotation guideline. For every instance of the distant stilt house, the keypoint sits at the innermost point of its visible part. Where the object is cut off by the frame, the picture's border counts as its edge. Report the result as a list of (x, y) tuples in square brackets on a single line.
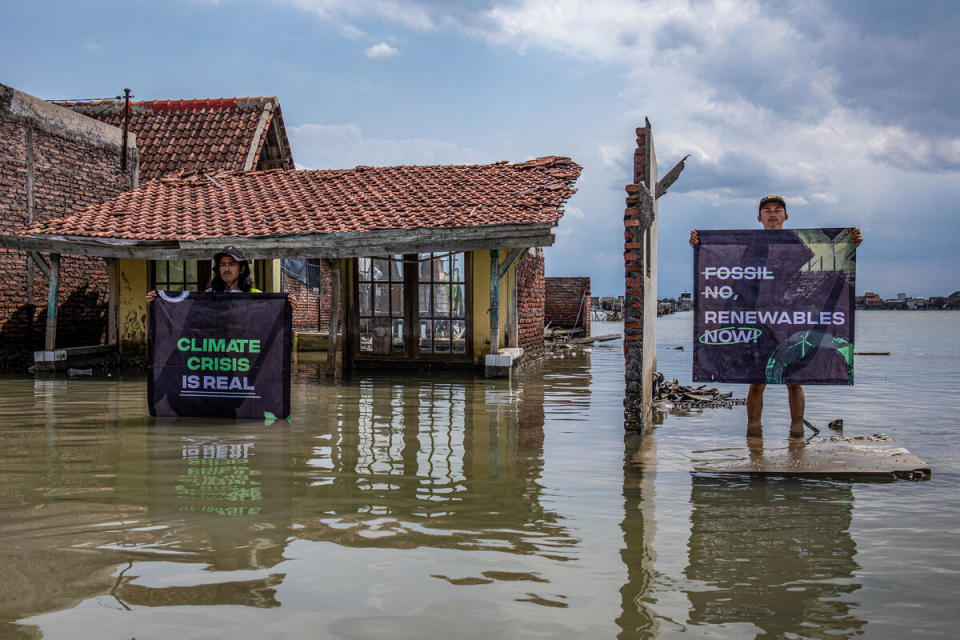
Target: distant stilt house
[(435, 265)]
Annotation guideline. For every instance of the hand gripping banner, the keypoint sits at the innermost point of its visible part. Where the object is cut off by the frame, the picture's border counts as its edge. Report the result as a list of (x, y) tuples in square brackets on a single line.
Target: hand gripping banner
[(224, 355), (774, 306)]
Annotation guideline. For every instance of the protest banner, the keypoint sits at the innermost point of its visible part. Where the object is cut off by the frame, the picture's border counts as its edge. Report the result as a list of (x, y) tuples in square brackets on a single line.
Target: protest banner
[(774, 306), (224, 355)]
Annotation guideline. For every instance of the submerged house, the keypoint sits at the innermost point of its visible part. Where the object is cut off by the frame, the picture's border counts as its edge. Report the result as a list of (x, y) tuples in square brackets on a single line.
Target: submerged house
[(61, 157), (209, 135), (433, 264), (53, 163)]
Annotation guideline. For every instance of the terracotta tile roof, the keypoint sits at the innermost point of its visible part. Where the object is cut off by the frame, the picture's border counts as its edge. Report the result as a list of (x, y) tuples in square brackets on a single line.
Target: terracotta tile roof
[(189, 135), (279, 203)]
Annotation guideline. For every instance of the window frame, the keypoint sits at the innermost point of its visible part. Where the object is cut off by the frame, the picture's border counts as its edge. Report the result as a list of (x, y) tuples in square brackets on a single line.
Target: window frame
[(411, 311), (204, 271)]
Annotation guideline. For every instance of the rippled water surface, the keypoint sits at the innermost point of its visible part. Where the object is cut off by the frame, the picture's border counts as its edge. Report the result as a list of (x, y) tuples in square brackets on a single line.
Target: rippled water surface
[(455, 507)]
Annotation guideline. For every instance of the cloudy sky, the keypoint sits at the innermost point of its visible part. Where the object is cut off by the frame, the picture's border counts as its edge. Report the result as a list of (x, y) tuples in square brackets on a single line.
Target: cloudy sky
[(848, 109)]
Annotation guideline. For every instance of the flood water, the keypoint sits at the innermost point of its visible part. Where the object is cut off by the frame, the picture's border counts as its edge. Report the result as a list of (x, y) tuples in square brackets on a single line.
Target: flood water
[(421, 506)]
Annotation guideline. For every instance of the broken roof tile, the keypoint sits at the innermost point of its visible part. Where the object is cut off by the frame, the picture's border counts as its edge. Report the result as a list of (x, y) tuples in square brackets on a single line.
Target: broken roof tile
[(191, 134), (194, 204)]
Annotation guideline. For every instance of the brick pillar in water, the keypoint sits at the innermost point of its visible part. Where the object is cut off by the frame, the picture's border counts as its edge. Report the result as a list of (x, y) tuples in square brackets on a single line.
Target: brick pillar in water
[(640, 270)]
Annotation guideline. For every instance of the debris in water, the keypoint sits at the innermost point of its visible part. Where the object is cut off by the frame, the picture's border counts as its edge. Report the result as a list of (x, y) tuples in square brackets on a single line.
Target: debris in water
[(877, 437), (567, 339), (670, 395)]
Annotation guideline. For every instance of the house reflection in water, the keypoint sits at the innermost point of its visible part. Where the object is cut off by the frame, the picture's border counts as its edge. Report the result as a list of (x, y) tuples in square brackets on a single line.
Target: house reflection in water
[(388, 462), (448, 463)]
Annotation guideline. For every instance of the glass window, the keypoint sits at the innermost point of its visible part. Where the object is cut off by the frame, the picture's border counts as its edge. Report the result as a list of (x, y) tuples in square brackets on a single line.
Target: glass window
[(380, 298), (442, 290), (438, 317), (177, 275)]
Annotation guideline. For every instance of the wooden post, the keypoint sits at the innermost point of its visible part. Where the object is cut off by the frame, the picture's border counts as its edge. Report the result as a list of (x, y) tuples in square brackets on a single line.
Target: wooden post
[(334, 316), (52, 294), (494, 300), (513, 320), (113, 293)]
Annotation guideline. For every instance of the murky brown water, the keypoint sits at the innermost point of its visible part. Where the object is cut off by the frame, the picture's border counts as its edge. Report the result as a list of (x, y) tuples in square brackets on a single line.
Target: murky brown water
[(440, 507)]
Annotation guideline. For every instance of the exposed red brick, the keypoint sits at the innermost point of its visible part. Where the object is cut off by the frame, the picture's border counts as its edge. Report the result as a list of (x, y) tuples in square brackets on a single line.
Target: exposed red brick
[(68, 174), (530, 303), (567, 302)]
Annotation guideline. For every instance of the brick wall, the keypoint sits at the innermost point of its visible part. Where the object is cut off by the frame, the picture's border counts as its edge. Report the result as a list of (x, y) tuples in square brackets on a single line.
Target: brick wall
[(530, 300), (51, 164), (313, 307), (640, 299), (567, 302)]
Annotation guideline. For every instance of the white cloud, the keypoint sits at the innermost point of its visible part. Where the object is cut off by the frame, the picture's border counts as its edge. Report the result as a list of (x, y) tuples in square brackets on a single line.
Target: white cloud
[(381, 51), (408, 14), (344, 146)]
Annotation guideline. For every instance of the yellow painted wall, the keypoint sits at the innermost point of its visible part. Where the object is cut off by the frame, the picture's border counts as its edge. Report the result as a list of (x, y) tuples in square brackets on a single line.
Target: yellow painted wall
[(480, 281), (132, 310)]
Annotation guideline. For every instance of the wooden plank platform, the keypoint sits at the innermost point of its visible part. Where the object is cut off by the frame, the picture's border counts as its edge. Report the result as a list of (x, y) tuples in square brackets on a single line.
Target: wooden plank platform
[(80, 357), (839, 457), (311, 340)]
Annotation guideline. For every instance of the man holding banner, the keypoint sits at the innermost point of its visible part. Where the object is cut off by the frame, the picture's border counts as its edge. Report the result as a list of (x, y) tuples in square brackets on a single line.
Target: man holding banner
[(222, 353), (750, 278)]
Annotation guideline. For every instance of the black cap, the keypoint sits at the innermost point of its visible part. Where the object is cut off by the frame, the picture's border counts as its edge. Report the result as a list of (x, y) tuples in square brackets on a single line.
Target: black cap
[(232, 251), (767, 199)]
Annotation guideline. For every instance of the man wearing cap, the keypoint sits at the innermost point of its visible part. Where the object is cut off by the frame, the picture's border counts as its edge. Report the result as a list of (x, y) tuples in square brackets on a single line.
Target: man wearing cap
[(772, 214), (231, 272)]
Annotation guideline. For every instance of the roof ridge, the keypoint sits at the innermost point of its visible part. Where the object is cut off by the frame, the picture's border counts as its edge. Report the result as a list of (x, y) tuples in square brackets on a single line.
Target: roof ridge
[(175, 106)]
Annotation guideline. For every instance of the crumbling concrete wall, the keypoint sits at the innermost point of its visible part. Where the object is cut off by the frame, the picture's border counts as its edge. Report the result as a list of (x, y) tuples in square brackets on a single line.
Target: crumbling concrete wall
[(640, 270), (53, 162), (567, 303)]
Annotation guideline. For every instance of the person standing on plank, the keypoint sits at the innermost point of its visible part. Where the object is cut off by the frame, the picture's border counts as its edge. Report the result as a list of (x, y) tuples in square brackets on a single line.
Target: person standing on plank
[(772, 214)]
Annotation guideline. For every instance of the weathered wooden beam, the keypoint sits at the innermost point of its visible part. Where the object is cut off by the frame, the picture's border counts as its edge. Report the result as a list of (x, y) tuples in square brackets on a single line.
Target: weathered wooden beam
[(335, 245), (664, 183), (331, 368), (513, 320), (494, 301), (53, 292), (113, 294), (40, 262), (258, 134), (515, 253)]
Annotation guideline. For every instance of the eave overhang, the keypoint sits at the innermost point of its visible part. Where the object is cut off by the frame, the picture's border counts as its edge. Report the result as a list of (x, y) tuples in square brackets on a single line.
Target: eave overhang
[(329, 245)]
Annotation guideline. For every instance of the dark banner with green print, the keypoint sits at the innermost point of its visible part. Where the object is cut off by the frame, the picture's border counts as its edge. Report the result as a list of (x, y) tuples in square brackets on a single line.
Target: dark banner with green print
[(774, 307), (220, 355)]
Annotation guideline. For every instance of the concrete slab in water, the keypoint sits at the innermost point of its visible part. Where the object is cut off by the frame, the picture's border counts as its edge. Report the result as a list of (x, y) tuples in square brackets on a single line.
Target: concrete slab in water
[(870, 457)]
